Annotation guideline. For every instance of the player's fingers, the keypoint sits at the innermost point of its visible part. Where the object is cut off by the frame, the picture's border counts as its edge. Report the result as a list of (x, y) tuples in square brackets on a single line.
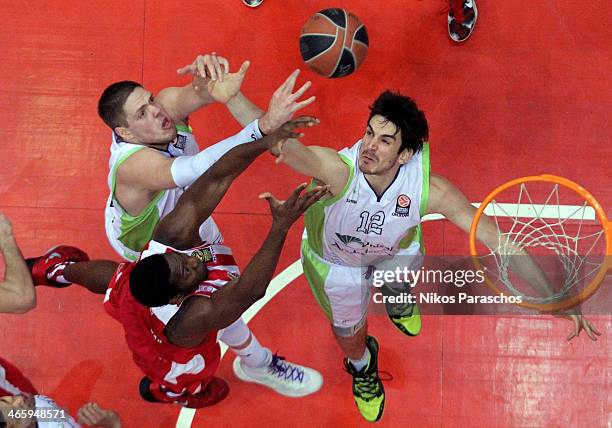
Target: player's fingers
[(302, 104), (300, 91), (296, 194), (576, 330), (272, 201), (224, 64), (300, 122), (87, 415), (200, 63), (187, 69), (209, 62), (244, 67), (287, 86), (217, 65), (593, 328), (590, 333), (314, 195)]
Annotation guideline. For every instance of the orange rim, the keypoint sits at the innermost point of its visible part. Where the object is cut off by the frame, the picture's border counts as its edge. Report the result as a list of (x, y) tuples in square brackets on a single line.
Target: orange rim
[(588, 291)]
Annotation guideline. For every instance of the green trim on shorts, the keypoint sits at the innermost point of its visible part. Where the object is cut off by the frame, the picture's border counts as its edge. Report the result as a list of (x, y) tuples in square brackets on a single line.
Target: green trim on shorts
[(316, 272), (314, 219)]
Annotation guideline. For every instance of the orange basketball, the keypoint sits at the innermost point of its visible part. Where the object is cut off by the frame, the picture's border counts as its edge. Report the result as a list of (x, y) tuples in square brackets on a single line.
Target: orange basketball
[(334, 42)]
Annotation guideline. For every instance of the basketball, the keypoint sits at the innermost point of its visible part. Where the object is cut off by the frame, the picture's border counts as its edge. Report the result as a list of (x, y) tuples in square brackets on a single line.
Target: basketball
[(334, 42)]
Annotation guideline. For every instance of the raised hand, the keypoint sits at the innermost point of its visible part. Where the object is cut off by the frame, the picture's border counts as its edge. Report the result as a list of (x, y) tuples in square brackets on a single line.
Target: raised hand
[(581, 323), (94, 415), (285, 213), (211, 74), (276, 139), (207, 66), (284, 104)]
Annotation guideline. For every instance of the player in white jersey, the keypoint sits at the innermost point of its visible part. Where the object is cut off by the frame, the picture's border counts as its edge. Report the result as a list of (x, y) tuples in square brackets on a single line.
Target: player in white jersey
[(380, 187), (154, 155)]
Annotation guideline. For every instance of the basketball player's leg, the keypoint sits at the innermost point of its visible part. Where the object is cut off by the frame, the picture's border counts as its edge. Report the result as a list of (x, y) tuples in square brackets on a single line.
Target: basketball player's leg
[(344, 298), (257, 364), (62, 265), (95, 275)]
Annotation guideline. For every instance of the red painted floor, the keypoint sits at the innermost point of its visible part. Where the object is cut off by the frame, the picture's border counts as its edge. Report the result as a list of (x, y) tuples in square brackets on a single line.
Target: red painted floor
[(529, 93)]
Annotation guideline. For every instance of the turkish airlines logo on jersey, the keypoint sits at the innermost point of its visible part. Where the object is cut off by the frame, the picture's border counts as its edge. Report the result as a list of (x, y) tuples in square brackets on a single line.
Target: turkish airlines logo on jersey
[(402, 206), (204, 255)]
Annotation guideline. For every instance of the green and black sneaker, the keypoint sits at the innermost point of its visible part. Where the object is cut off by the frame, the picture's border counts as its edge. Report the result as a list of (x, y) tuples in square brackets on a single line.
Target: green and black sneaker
[(368, 389), (405, 316)]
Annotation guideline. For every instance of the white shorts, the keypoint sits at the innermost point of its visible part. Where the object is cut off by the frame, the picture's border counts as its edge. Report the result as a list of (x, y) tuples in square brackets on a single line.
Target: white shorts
[(343, 292)]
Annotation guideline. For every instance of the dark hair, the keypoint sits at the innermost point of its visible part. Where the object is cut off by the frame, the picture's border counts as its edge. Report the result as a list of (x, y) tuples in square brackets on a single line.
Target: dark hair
[(112, 100), (150, 282), (405, 115)]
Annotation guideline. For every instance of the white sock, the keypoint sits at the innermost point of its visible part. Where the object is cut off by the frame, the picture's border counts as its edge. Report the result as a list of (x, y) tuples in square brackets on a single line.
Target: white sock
[(59, 278), (363, 361), (254, 355)]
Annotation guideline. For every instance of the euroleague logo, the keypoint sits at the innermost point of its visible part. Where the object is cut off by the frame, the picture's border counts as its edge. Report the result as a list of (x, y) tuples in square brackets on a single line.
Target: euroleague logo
[(402, 206)]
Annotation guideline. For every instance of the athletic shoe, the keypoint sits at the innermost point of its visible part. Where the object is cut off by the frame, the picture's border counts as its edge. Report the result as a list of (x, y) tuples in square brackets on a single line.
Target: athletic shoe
[(289, 379), (405, 315), (462, 16), (215, 391), (46, 268), (252, 3), (368, 389)]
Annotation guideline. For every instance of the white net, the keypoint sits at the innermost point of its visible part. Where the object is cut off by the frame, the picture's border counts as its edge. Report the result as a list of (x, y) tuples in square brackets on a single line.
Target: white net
[(567, 241)]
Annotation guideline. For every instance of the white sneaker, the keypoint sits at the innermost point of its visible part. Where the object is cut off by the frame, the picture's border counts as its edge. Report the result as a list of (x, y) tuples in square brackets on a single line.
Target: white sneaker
[(289, 379)]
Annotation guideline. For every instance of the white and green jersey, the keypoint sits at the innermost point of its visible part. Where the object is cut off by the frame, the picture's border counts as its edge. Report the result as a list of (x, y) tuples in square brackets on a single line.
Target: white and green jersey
[(129, 234), (357, 228)]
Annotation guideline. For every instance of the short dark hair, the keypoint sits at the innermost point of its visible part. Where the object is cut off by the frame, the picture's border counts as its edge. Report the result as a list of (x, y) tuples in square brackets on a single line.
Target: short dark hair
[(150, 282), (112, 100), (403, 112)]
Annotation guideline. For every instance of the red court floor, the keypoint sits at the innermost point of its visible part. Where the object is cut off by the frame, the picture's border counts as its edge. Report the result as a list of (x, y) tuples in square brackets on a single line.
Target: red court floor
[(530, 92)]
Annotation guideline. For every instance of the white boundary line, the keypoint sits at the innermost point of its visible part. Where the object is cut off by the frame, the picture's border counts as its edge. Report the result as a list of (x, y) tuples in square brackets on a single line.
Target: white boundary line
[(295, 269)]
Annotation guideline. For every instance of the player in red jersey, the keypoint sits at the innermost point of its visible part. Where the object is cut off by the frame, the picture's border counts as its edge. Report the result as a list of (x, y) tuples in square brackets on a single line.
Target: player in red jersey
[(181, 296)]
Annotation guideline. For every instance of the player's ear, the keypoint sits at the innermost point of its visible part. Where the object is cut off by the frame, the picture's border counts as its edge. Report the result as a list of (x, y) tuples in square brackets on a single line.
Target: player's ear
[(405, 155), (123, 132)]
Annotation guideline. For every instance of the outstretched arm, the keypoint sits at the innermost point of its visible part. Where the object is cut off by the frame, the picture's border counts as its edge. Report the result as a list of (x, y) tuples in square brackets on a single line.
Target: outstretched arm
[(199, 315), (17, 294), (179, 229), (283, 104), (448, 200), (322, 163)]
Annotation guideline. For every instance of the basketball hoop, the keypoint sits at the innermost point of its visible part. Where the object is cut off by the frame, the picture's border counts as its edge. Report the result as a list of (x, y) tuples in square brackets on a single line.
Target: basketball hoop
[(574, 235)]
